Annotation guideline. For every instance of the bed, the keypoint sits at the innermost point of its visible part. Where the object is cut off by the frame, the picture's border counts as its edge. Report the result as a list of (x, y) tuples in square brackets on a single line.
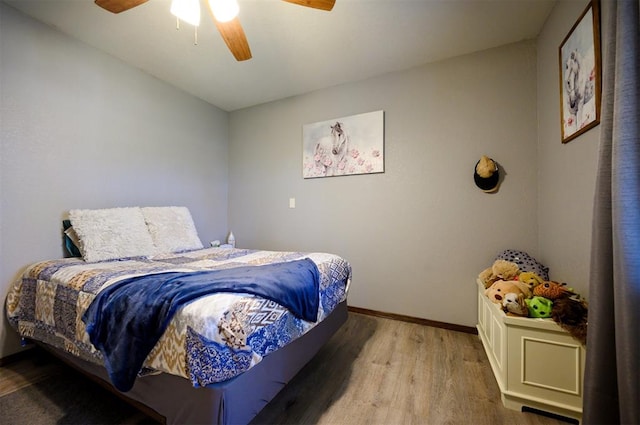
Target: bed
[(219, 356)]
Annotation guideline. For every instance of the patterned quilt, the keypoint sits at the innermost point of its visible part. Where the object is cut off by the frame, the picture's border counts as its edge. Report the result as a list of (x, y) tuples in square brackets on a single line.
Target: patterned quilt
[(209, 340)]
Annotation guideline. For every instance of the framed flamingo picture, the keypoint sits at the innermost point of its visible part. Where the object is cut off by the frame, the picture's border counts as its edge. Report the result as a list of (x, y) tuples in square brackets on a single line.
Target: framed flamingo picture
[(344, 146), (580, 75)]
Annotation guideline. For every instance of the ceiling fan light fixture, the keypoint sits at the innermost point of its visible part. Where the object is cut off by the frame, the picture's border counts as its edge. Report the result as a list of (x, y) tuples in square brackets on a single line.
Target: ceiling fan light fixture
[(224, 10), (186, 10)]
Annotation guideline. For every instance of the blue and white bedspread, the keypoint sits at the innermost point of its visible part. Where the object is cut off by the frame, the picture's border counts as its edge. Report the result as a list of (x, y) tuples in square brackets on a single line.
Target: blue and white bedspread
[(208, 340)]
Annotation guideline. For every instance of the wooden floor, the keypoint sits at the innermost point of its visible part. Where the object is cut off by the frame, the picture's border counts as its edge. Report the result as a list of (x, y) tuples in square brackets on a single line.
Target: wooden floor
[(33, 368), (374, 371)]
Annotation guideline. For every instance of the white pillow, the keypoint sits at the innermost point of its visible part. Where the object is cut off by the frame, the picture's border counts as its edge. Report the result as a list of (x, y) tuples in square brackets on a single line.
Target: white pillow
[(108, 234), (172, 229)]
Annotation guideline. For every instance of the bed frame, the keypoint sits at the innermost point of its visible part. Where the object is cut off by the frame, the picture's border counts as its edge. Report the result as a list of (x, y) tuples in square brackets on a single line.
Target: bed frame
[(173, 400)]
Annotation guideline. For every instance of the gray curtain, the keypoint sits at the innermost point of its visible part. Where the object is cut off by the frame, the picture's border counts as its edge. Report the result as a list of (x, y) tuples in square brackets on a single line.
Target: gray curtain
[(612, 375)]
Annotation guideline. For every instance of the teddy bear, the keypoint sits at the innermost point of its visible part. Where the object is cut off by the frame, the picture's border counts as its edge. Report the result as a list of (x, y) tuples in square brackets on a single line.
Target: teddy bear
[(501, 288), (539, 306), (514, 305), (553, 290), (530, 278), (499, 270)]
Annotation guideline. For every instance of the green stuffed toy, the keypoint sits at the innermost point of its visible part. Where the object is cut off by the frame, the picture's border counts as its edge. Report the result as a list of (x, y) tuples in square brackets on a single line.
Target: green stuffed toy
[(539, 307)]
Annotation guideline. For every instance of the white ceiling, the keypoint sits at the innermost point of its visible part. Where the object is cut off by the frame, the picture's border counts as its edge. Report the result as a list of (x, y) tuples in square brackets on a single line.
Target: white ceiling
[(295, 49)]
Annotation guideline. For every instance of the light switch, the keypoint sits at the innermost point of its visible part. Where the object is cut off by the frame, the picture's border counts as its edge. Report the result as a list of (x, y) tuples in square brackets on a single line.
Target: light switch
[(292, 202)]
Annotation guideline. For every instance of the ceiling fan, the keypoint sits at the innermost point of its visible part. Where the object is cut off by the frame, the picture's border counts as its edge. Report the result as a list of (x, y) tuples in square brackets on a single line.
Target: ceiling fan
[(231, 31)]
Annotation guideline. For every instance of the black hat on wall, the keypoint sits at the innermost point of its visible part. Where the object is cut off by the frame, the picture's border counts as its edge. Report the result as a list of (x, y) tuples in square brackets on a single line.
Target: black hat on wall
[(486, 174)]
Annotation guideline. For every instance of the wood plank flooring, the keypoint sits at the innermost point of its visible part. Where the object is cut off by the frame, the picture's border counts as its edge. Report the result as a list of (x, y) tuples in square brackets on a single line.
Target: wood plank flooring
[(373, 371), (382, 371), (33, 368)]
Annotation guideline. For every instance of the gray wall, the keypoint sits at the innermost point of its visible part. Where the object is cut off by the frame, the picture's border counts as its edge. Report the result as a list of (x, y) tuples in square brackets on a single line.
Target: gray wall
[(566, 172), (80, 129), (418, 234)]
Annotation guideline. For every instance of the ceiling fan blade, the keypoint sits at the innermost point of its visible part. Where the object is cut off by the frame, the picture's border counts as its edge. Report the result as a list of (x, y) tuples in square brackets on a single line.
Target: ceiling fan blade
[(316, 4), (117, 6), (233, 34)]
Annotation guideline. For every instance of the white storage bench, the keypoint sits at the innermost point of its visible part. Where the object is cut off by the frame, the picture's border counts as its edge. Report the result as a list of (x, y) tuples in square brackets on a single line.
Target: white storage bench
[(536, 363)]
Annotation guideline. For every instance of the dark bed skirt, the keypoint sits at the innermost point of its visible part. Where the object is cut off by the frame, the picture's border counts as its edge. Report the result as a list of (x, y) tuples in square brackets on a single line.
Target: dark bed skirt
[(235, 401)]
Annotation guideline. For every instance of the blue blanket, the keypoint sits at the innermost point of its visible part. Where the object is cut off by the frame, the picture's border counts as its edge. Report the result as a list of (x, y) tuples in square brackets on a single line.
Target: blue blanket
[(126, 320)]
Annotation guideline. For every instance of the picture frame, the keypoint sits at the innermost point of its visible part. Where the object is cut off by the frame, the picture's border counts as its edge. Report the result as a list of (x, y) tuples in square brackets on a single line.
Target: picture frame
[(344, 146), (581, 75)]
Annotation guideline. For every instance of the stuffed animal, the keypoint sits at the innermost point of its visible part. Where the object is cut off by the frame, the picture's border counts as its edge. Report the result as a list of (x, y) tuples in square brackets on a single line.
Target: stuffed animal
[(486, 277), (514, 305), (525, 262), (552, 290), (539, 306), (505, 270), (501, 288), (530, 278), (571, 314), (499, 270)]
